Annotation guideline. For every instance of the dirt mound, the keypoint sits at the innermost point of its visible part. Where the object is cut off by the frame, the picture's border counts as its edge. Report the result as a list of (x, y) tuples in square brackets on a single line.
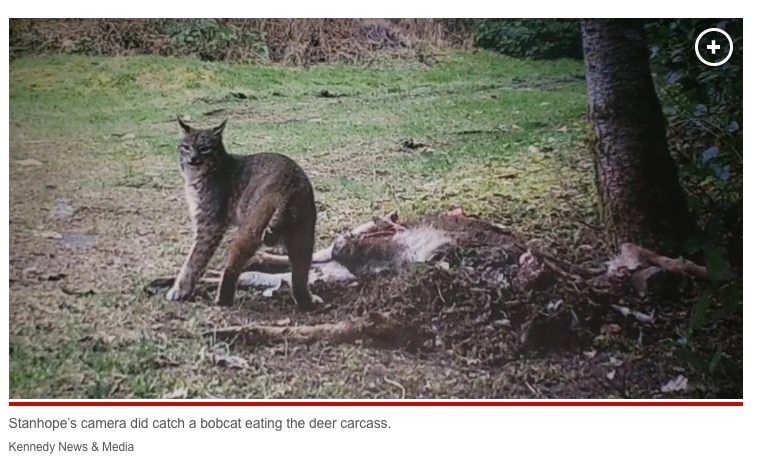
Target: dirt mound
[(479, 301)]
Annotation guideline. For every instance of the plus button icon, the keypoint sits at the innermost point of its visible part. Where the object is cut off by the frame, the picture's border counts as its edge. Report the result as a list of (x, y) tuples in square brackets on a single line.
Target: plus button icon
[(713, 47)]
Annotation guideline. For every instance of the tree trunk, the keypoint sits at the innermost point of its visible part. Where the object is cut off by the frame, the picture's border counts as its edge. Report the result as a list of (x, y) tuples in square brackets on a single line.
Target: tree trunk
[(640, 196)]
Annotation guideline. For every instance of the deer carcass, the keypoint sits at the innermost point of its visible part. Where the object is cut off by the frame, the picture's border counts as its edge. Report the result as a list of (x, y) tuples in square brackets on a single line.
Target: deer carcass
[(379, 245)]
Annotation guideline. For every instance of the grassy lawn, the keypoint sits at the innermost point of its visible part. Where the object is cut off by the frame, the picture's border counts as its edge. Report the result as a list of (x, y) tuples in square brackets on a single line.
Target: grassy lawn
[(502, 138)]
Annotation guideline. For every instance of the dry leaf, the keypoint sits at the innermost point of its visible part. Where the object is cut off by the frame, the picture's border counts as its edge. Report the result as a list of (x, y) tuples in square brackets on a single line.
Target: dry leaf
[(283, 322), (609, 329), (525, 257), (29, 163), (177, 393), (48, 234), (221, 358), (679, 384), (615, 362)]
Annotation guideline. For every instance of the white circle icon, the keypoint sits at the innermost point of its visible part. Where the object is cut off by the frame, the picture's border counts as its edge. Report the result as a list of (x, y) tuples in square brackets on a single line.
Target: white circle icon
[(713, 47)]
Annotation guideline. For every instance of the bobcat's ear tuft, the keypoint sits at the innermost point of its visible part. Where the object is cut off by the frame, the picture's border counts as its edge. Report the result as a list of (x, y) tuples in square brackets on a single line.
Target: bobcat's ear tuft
[(186, 129), (220, 129)]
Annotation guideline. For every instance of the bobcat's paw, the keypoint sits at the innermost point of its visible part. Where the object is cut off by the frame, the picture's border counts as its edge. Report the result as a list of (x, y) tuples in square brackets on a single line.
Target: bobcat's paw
[(177, 294)]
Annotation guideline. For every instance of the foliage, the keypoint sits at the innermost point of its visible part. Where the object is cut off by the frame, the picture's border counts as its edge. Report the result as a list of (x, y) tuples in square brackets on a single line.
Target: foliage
[(213, 39), (531, 38), (705, 112), (292, 41), (704, 107)]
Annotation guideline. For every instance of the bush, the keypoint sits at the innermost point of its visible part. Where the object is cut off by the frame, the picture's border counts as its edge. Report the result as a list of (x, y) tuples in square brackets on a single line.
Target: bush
[(290, 41), (531, 38), (215, 40), (704, 107)]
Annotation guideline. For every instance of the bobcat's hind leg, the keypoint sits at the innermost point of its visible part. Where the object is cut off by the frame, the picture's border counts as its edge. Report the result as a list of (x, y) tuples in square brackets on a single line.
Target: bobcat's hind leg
[(300, 246), (245, 244)]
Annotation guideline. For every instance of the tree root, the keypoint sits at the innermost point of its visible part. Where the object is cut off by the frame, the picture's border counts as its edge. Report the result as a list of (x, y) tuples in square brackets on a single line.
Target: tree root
[(380, 327)]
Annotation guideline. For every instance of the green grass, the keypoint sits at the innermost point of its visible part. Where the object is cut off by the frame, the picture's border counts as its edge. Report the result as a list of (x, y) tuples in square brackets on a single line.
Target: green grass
[(503, 139)]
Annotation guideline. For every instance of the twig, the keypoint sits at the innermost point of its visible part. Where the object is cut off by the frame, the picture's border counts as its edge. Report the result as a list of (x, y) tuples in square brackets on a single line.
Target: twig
[(398, 385), (533, 390)]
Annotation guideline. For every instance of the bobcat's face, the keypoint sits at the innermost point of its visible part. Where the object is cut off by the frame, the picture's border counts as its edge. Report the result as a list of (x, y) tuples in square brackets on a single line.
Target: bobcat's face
[(200, 150), (196, 150)]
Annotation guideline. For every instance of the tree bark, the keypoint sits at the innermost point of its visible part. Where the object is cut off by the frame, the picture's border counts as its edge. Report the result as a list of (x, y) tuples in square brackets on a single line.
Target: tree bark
[(637, 180)]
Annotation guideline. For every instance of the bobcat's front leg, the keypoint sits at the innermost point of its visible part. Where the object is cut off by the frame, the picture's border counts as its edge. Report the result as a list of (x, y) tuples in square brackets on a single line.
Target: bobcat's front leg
[(203, 249)]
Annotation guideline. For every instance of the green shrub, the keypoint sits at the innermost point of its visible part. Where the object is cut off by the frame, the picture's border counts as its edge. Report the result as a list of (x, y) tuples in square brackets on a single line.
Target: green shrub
[(704, 107), (531, 38), (213, 39)]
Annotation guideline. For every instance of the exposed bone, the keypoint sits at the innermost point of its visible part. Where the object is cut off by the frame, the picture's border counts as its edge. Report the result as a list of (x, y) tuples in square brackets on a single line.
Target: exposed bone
[(640, 316)]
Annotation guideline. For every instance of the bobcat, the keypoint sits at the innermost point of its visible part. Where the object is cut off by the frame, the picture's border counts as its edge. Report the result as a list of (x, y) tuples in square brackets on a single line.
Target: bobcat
[(267, 196)]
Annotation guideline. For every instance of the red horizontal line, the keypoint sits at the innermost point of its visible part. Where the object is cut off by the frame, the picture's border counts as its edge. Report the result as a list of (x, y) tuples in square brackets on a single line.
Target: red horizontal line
[(376, 403)]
